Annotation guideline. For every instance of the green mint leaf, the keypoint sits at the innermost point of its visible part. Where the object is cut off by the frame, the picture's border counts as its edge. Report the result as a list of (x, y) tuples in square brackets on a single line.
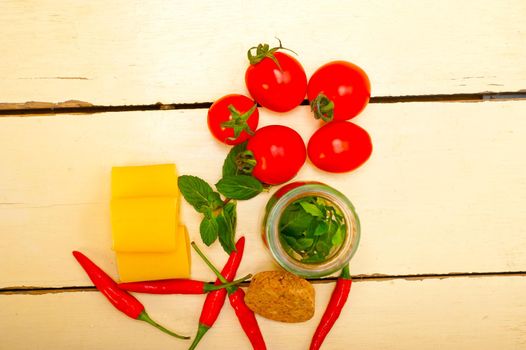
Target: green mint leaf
[(337, 238), (230, 166), (214, 201), (312, 227), (304, 243), (195, 191), (287, 231), (230, 210), (209, 230), (321, 228), (293, 244), (239, 186), (316, 258), (323, 248), (291, 241), (311, 209), (296, 220), (227, 222), (290, 244), (209, 213)]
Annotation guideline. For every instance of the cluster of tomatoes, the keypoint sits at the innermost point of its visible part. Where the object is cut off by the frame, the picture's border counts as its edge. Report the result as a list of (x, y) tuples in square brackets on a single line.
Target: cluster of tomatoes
[(337, 91)]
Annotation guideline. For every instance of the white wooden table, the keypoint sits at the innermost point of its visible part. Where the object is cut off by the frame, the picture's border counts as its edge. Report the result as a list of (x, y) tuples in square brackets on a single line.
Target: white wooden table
[(442, 261)]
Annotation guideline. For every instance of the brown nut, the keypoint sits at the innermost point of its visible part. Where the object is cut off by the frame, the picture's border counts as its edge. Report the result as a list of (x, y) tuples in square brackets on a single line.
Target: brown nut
[(281, 296)]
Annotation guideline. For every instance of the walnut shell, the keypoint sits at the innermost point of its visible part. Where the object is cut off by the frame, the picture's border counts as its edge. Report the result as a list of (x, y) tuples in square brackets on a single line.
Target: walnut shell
[(281, 296)]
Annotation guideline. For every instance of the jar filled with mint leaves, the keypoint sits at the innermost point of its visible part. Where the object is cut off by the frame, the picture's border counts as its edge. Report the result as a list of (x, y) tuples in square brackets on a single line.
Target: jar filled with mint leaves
[(311, 229)]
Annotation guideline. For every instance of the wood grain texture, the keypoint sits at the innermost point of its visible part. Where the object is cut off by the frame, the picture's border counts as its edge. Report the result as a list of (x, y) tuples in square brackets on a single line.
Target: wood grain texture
[(122, 52), (459, 313), (443, 191)]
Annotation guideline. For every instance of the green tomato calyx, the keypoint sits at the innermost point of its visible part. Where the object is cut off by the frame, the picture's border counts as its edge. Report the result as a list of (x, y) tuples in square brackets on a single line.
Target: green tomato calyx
[(239, 121), (322, 107), (265, 51)]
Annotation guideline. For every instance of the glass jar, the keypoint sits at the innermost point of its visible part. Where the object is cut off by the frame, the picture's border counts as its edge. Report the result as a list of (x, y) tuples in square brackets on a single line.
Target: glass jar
[(289, 194)]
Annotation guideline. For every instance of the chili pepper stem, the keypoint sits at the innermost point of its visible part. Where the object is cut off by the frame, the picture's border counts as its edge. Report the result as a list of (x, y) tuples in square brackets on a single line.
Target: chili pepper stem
[(146, 318), (345, 272), (201, 330), (210, 265), (212, 287)]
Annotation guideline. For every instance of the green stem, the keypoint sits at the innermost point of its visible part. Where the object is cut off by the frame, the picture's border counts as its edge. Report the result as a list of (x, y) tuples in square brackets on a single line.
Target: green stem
[(345, 273), (322, 107), (245, 162), (201, 330), (212, 287), (327, 108), (144, 317), (264, 51), (210, 265), (238, 121), (247, 114)]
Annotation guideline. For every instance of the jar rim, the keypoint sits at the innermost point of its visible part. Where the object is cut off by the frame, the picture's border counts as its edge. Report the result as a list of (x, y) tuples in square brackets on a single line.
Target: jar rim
[(344, 253)]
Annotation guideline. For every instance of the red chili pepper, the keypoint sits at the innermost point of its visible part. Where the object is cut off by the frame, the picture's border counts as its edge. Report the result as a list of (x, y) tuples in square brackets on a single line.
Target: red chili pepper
[(236, 296), (215, 300), (246, 318), (334, 308), (177, 286), (121, 299)]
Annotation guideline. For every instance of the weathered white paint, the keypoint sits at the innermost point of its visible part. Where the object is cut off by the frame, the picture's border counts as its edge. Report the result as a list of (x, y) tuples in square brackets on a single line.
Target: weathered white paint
[(137, 52), (443, 191), (454, 313)]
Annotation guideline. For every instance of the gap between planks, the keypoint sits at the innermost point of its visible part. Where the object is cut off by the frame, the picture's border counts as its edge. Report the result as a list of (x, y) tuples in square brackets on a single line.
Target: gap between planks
[(8, 109), (356, 278)]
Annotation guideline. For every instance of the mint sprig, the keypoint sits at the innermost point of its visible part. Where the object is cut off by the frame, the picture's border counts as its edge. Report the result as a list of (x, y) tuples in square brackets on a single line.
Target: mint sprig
[(219, 214)]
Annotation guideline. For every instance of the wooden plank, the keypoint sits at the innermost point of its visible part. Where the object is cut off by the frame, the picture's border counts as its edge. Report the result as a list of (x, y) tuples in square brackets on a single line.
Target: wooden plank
[(445, 180), (458, 313), (117, 52)]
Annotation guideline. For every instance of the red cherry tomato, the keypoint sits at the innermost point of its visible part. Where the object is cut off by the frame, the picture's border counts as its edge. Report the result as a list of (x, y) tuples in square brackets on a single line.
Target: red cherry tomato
[(233, 119), (279, 152), (338, 90), (339, 147), (275, 80)]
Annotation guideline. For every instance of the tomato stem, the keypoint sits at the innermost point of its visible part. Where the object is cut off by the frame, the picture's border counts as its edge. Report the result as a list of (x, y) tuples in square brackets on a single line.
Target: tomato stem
[(246, 162), (239, 121), (322, 107), (327, 108), (264, 51), (266, 187)]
